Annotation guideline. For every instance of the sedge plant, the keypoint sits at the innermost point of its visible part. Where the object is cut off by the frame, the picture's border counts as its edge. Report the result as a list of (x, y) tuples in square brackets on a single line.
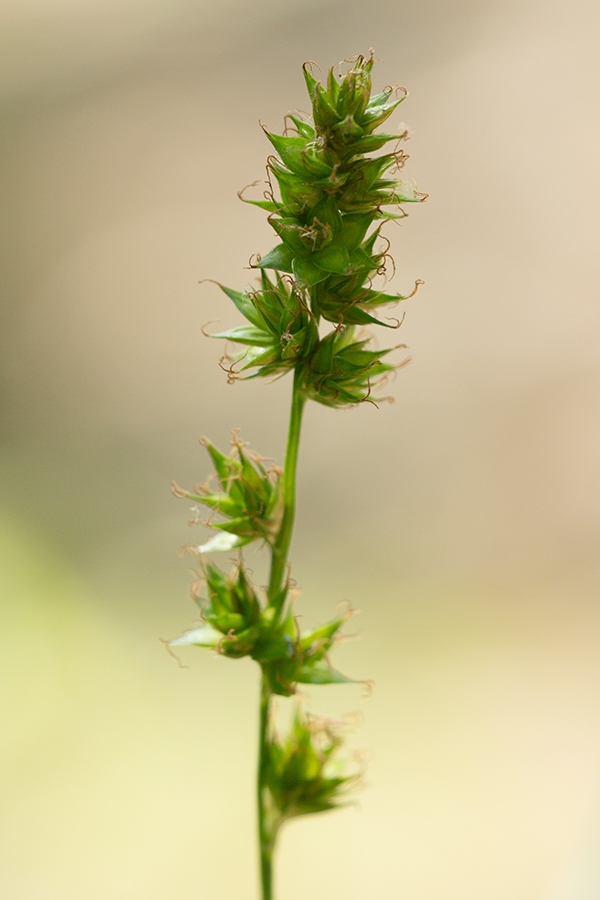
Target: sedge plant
[(328, 196)]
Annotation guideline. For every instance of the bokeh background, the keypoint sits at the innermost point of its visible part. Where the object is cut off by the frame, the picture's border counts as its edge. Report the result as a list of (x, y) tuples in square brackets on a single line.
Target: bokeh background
[(463, 520)]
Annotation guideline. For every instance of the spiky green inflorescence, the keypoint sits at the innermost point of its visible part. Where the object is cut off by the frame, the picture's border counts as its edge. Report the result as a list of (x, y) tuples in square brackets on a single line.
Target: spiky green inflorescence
[(333, 198), (236, 624), (305, 774), (249, 499), (333, 201)]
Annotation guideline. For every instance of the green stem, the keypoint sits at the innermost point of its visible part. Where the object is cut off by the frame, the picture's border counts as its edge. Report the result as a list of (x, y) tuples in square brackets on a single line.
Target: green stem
[(282, 543), (266, 839), (266, 826)]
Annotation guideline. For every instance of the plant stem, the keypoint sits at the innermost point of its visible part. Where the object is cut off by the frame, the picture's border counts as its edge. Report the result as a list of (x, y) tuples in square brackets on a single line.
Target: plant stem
[(267, 827), (282, 542), (266, 839)]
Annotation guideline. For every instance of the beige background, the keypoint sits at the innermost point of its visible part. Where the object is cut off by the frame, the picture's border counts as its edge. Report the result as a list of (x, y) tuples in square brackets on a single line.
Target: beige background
[(463, 520)]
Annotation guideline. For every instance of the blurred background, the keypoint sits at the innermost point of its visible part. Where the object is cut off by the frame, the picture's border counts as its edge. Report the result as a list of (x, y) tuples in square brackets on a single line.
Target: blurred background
[(463, 520)]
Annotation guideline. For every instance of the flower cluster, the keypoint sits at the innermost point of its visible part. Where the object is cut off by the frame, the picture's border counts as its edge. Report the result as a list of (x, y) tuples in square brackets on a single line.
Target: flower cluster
[(249, 500), (281, 330), (236, 624), (304, 773), (331, 194)]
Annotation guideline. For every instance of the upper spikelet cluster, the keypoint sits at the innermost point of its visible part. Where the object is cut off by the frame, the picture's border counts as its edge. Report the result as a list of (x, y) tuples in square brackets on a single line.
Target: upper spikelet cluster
[(332, 202)]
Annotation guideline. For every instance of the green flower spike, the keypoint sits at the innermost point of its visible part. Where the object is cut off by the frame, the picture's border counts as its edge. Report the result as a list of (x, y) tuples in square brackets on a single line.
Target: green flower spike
[(302, 657), (235, 624), (231, 614), (250, 498), (342, 372), (331, 193), (304, 773), (281, 332)]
